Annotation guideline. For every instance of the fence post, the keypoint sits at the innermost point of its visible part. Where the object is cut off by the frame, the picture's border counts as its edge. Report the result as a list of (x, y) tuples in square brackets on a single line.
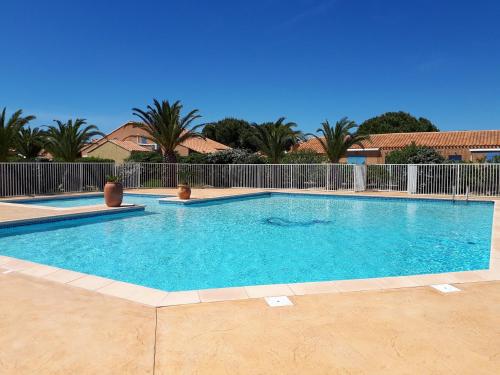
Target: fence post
[(327, 176), (139, 171), (412, 179), (81, 176), (39, 178)]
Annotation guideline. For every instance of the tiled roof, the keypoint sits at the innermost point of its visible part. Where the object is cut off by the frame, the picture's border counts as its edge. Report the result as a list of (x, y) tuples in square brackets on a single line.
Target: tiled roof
[(127, 130), (204, 145), (453, 139), (128, 145)]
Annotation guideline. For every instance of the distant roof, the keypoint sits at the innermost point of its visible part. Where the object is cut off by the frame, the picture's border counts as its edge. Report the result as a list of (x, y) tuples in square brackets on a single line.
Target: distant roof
[(126, 145), (204, 145), (201, 145), (452, 139)]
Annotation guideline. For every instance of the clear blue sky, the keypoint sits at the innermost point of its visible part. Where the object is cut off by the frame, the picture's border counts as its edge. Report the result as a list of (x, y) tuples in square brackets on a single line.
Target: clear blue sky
[(304, 59)]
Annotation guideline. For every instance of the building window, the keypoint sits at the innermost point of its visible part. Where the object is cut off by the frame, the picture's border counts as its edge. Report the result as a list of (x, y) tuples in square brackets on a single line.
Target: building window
[(358, 159), (455, 157), (143, 140), (493, 157)]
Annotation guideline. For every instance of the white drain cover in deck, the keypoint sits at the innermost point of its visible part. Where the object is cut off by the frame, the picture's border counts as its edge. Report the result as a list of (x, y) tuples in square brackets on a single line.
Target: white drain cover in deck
[(278, 301), (445, 288)]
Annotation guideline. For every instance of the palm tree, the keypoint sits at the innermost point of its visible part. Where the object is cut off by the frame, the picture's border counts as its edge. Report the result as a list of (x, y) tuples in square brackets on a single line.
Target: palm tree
[(30, 142), (166, 127), (9, 131), (336, 140), (65, 140), (274, 139)]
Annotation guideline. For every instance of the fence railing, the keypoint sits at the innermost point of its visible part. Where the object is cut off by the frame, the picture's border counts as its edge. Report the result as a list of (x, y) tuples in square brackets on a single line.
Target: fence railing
[(48, 178), (452, 179), (18, 179), (266, 176)]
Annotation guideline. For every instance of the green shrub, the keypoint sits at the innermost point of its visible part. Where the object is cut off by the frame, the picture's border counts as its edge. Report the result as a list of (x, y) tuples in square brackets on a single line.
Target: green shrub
[(93, 159), (304, 157), (413, 154), (153, 183), (193, 158), (113, 178), (235, 156), (145, 157)]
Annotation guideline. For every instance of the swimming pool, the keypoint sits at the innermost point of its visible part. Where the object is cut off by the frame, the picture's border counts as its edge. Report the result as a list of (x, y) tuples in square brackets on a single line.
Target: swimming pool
[(79, 201), (280, 238)]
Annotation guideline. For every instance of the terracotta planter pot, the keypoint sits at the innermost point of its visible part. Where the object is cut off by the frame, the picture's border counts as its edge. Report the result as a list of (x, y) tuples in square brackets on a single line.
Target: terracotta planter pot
[(183, 191), (113, 194)]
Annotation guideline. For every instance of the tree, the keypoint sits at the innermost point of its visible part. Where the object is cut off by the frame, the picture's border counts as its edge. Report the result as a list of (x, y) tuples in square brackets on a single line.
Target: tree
[(9, 131), (65, 140), (274, 139), (231, 132), (396, 122), (413, 154), (336, 140), (30, 142), (166, 127)]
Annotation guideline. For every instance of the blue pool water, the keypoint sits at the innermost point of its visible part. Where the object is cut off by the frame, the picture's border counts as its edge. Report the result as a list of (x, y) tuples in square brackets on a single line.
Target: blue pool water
[(263, 240), (78, 202)]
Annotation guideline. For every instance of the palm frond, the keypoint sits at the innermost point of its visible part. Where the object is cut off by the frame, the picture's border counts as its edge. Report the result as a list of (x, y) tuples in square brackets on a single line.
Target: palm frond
[(164, 125)]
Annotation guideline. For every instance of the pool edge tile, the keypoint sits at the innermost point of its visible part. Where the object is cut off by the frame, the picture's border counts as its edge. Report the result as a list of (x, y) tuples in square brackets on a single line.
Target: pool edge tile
[(90, 282), (315, 287), (396, 282), (180, 298), (64, 276), (133, 292), (39, 270), (436, 278), (18, 265), (5, 259), (358, 285), (223, 294), (270, 290)]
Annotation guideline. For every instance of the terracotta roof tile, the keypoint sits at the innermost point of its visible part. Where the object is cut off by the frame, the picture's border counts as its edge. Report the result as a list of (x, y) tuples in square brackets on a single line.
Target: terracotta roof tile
[(453, 139), (127, 130), (204, 146)]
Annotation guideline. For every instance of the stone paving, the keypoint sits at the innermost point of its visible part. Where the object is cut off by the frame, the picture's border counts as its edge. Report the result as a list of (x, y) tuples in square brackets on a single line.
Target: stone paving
[(49, 328)]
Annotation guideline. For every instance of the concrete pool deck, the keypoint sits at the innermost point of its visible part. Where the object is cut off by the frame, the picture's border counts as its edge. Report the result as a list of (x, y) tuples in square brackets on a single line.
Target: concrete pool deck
[(53, 322), (49, 328)]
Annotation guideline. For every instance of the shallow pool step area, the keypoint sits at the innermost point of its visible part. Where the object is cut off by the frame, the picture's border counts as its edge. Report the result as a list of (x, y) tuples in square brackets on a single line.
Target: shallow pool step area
[(41, 216), (219, 199)]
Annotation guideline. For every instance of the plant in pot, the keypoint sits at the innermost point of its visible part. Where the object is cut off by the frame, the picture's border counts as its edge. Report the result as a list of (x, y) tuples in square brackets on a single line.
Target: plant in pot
[(183, 188), (113, 191)]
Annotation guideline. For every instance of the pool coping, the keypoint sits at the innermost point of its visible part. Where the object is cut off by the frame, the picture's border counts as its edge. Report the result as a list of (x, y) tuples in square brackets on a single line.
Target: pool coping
[(160, 298), (269, 193)]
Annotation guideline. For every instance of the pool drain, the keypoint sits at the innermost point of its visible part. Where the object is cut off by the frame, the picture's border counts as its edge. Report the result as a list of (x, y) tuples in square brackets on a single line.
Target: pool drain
[(445, 288), (278, 301)]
